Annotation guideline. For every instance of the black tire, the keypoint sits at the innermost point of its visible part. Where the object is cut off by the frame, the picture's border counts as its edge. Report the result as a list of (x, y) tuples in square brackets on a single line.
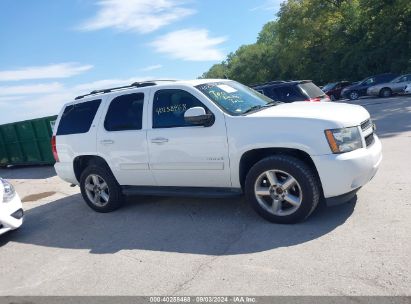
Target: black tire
[(301, 172), (353, 95), (333, 98), (115, 198), (385, 92)]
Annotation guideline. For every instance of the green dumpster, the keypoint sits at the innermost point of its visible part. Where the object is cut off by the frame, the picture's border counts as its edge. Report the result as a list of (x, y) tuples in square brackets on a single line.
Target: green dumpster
[(27, 142)]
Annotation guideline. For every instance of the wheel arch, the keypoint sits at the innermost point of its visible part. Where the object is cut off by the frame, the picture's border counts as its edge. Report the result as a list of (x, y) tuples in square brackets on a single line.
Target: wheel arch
[(385, 88), (83, 161), (251, 157)]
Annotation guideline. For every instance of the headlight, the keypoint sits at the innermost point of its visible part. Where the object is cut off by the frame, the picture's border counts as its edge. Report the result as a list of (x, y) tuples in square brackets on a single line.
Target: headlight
[(9, 191), (344, 140)]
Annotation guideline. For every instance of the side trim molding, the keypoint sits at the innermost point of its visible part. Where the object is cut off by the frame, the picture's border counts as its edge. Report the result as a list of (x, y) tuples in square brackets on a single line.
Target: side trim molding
[(181, 191)]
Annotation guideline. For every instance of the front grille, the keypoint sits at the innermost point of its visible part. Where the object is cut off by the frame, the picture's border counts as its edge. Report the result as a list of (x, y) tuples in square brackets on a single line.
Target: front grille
[(366, 124), (369, 140)]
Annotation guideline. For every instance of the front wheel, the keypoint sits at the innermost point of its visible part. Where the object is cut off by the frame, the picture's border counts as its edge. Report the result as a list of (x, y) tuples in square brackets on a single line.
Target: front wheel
[(354, 95), (282, 189), (100, 189), (386, 92)]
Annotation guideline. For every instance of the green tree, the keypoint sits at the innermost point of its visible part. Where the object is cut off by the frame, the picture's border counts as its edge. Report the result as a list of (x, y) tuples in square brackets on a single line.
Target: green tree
[(326, 41)]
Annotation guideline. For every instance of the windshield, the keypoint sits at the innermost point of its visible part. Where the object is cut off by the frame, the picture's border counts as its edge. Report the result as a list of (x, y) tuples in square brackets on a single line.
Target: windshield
[(235, 98), (399, 79), (329, 86)]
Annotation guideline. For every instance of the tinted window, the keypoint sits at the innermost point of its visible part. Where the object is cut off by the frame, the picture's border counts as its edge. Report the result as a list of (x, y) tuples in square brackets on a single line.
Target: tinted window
[(77, 118), (311, 90), (370, 80), (288, 94), (125, 113), (384, 78), (270, 93), (330, 86), (169, 107)]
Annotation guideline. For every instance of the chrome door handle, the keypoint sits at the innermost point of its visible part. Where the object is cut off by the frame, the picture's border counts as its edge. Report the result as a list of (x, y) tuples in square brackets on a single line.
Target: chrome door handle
[(159, 140), (107, 141)]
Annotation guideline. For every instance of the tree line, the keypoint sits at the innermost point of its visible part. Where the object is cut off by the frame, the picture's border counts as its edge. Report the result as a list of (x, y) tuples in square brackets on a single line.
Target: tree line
[(325, 40)]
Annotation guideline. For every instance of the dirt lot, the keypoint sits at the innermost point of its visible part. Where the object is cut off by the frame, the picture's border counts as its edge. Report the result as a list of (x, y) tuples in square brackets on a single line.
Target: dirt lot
[(166, 246)]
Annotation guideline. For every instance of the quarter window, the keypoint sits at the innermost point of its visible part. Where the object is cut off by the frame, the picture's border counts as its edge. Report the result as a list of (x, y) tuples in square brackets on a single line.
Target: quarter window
[(169, 107), (77, 118), (290, 93), (125, 113)]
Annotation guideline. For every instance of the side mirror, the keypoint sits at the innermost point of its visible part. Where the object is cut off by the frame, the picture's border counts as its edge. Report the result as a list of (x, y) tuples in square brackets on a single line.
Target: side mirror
[(198, 116)]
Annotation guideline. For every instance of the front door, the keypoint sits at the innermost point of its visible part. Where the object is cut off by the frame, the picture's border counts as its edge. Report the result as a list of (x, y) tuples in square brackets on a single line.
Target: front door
[(183, 154)]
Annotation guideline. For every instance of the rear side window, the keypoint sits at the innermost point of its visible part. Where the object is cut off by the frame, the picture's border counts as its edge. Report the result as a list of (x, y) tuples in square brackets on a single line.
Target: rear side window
[(271, 93), (169, 107), (125, 113), (288, 94), (77, 118), (311, 90)]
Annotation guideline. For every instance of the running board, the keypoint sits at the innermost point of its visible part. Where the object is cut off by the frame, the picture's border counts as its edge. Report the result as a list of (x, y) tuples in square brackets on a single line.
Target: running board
[(181, 191)]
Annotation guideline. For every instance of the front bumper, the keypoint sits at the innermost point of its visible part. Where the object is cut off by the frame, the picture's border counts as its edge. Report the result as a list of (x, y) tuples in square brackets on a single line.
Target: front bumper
[(7, 210), (343, 173)]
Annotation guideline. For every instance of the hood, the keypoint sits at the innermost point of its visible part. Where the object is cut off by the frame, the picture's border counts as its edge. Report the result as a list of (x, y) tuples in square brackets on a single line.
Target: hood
[(340, 114)]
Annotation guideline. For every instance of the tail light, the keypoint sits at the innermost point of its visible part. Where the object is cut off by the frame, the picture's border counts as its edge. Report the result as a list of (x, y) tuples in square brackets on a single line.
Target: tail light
[(316, 99), (54, 148)]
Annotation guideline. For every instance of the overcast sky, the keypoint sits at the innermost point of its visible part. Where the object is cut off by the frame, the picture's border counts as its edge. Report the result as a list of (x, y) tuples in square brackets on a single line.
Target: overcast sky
[(52, 51)]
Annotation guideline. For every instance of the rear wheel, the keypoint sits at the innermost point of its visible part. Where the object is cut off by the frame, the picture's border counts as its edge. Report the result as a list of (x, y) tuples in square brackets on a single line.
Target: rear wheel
[(385, 92), (282, 189), (100, 189)]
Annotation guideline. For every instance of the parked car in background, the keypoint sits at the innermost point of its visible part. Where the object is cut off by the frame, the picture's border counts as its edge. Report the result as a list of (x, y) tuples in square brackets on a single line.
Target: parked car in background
[(11, 211), (333, 89), (359, 89), (290, 91), (395, 86), (214, 137), (408, 89)]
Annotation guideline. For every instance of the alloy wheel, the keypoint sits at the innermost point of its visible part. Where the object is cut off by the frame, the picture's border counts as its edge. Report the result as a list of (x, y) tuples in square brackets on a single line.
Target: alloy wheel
[(97, 190), (278, 192)]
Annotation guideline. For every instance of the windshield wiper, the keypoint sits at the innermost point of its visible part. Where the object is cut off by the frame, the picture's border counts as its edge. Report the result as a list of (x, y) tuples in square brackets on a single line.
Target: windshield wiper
[(253, 108), (259, 107)]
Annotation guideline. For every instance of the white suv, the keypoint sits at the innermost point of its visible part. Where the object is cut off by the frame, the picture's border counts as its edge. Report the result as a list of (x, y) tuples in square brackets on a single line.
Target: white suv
[(214, 138)]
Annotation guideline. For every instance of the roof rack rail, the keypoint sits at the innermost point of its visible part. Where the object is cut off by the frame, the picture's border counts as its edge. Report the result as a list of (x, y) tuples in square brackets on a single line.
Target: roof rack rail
[(267, 83), (139, 84)]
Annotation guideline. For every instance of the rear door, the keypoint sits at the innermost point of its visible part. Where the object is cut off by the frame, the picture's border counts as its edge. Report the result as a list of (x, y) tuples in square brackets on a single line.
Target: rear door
[(183, 154), (122, 139)]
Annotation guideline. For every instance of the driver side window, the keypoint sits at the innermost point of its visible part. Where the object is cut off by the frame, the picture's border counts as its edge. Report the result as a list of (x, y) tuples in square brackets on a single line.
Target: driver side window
[(169, 107)]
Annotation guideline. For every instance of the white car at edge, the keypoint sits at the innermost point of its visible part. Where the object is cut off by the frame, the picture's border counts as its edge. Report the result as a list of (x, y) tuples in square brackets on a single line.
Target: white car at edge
[(214, 137), (11, 210)]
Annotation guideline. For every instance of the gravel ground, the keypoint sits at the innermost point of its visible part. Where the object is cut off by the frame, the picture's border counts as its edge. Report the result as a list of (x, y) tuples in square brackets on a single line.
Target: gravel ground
[(176, 246)]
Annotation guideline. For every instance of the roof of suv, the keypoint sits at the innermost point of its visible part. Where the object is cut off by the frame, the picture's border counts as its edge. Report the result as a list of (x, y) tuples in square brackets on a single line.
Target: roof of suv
[(279, 83), (149, 83)]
